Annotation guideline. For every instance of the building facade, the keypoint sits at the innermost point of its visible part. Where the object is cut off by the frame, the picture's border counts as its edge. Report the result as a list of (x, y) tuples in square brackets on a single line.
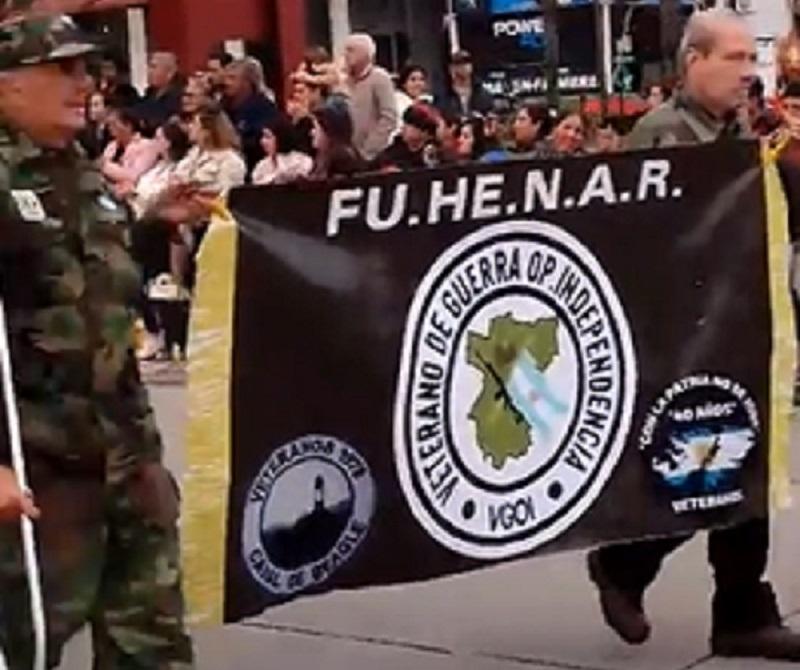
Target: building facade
[(272, 30), (511, 40)]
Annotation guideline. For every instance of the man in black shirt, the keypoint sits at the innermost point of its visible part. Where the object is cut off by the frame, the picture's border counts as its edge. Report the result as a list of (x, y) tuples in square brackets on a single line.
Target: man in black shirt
[(115, 85), (464, 94), (162, 100)]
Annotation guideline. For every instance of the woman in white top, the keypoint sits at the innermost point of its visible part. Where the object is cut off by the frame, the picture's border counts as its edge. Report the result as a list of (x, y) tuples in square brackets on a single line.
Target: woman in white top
[(214, 165), (151, 238), (282, 163), (209, 171), (412, 87)]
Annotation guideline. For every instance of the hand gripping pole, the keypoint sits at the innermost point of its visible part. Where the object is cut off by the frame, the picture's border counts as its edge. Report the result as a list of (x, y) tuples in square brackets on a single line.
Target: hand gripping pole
[(28, 537)]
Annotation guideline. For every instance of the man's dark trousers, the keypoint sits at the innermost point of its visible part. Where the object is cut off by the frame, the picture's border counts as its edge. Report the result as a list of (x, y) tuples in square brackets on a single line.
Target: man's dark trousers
[(738, 556)]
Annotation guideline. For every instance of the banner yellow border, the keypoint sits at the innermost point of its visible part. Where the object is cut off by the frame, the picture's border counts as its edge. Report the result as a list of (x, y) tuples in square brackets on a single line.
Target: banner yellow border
[(784, 345), (206, 484), (208, 439)]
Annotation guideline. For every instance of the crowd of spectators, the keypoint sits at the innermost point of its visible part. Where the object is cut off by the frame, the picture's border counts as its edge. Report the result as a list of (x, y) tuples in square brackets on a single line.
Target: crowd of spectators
[(174, 151)]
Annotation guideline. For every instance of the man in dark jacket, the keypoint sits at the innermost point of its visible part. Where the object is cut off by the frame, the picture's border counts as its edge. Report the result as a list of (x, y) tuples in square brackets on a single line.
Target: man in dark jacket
[(162, 100), (717, 56), (247, 105), (464, 96), (114, 84)]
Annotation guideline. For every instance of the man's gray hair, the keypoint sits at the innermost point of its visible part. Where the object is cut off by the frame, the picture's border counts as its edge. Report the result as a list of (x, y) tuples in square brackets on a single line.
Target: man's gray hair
[(252, 71), (365, 42), (702, 31)]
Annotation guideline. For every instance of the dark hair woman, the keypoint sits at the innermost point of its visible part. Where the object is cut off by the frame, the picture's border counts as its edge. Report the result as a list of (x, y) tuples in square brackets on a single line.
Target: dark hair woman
[(173, 145), (283, 162), (470, 140), (412, 87), (176, 139), (124, 125), (333, 141), (151, 238)]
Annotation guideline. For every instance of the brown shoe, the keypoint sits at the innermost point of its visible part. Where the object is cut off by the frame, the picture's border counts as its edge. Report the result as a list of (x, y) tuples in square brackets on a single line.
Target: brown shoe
[(623, 610), (776, 643)]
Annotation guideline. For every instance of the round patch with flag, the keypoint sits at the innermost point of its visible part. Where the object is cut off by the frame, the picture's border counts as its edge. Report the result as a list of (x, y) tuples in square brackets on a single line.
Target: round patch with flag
[(516, 390), (697, 438)]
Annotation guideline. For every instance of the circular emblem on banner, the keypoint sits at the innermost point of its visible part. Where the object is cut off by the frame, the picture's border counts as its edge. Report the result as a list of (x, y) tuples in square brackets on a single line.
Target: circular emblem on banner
[(697, 437), (306, 513), (516, 390)]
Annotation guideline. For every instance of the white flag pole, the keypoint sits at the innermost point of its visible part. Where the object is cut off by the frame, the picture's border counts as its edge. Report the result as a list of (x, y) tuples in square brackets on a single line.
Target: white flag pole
[(452, 28), (18, 462)]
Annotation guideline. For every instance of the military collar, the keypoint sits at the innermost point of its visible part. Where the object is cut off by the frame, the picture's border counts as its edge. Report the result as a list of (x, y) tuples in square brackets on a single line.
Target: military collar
[(706, 126), (17, 145)]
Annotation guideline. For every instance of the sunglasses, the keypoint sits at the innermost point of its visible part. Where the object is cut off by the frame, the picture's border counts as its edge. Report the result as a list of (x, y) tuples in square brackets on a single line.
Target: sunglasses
[(73, 67)]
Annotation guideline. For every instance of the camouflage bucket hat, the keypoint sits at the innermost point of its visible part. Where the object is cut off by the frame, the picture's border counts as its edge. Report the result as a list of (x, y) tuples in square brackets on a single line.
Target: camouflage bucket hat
[(43, 40)]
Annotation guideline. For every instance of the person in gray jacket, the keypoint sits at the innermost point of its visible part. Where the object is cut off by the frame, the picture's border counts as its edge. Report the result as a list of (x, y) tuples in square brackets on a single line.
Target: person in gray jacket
[(717, 60), (373, 103)]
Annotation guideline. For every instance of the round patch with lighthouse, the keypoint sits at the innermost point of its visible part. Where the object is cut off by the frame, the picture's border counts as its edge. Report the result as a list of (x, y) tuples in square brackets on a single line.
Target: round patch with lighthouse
[(516, 390), (306, 514)]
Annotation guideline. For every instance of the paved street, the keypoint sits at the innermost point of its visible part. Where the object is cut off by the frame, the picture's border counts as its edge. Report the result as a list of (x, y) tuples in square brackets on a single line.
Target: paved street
[(534, 614)]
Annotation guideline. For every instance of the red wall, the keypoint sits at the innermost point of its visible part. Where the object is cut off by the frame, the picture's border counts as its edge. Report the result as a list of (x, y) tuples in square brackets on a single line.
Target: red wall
[(192, 27), (291, 19), (290, 16)]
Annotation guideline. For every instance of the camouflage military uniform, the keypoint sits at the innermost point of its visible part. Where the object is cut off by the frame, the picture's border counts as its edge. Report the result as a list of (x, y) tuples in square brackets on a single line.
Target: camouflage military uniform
[(107, 537), (682, 122)]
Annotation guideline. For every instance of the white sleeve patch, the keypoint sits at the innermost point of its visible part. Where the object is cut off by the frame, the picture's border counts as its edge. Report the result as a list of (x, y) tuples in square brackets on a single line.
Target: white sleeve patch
[(29, 206)]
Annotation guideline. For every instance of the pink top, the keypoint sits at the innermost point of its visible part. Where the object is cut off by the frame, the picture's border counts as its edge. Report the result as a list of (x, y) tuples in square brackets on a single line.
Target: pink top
[(139, 157)]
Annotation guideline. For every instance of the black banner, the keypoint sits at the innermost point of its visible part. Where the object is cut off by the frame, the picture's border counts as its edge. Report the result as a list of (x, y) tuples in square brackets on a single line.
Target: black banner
[(435, 371)]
